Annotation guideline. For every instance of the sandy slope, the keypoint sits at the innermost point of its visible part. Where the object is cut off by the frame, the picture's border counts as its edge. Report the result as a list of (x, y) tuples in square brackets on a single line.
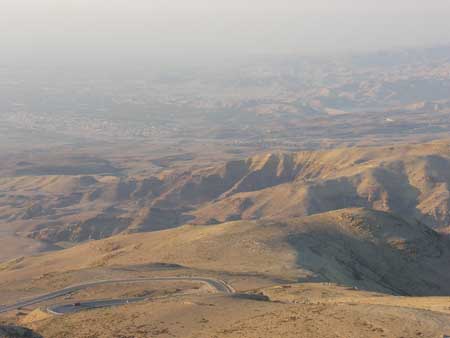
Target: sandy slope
[(411, 181), (366, 248), (307, 311)]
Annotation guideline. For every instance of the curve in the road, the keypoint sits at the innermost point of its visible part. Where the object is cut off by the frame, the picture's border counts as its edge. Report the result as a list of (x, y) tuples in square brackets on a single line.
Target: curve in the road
[(218, 285), (92, 304)]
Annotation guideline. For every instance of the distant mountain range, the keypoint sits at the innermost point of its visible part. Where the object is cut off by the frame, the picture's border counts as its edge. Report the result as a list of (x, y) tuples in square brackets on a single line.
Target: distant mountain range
[(411, 182)]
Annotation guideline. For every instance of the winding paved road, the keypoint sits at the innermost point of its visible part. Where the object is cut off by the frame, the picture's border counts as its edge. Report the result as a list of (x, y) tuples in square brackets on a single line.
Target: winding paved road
[(218, 285), (92, 304)]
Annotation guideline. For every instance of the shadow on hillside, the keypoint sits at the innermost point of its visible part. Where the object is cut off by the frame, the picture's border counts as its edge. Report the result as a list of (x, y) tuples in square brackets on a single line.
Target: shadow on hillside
[(418, 268), (9, 331)]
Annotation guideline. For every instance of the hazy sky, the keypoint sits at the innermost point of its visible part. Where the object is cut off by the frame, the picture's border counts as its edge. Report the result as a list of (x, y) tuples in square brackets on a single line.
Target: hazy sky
[(175, 31)]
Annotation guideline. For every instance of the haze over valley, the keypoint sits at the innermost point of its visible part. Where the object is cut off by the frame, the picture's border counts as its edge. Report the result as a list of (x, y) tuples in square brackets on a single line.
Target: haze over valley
[(270, 169)]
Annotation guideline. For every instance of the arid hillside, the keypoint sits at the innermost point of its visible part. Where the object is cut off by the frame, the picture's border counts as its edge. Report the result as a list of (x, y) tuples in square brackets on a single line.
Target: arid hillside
[(369, 249), (299, 310), (410, 181)]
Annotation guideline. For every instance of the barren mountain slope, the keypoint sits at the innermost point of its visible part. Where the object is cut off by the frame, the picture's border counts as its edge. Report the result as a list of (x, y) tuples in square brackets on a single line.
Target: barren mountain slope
[(410, 181), (366, 248), (302, 310)]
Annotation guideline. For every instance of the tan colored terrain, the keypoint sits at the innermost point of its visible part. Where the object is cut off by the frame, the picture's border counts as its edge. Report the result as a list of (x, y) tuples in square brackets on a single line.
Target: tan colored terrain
[(15, 246), (147, 289), (409, 181), (306, 183), (296, 222), (360, 249), (366, 248), (309, 311)]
